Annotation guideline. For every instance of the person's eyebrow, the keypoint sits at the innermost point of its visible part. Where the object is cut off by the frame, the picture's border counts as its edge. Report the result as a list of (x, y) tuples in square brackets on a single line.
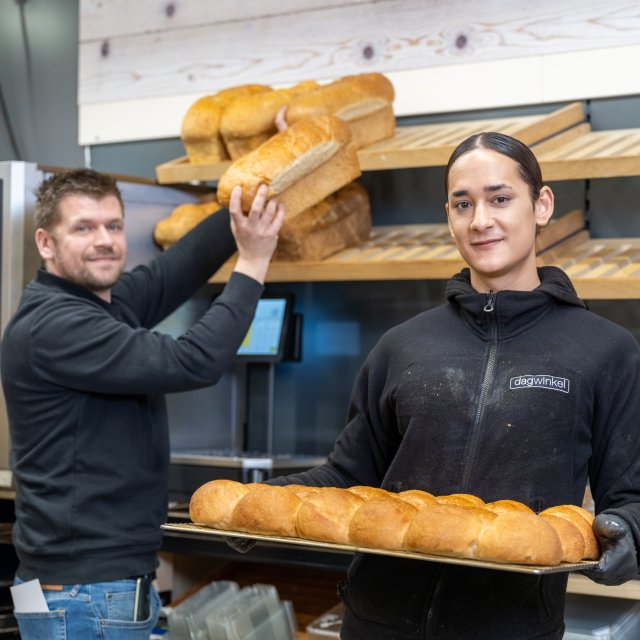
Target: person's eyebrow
[(496, 187)]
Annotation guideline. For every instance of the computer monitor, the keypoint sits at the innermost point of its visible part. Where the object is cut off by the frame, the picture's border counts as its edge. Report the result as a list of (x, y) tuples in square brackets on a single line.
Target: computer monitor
[(267, 338)]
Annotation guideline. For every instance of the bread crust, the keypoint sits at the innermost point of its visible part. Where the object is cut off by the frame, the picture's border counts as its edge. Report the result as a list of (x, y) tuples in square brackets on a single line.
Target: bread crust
[(417, 498), (446, 529), (504, 531), (370, 493), (503, 506), (583, 521), (340, 221), (518, 537), (267, 509), (181, 220), (381, 523), (571, 539), (213, 503), (200, 129), (363, 101), (250, 120), (300, 166), (326, 515)]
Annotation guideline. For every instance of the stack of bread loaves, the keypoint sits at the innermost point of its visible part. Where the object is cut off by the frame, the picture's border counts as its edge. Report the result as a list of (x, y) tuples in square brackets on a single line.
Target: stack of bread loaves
[(458, 525), (341, 220), (235, 121)]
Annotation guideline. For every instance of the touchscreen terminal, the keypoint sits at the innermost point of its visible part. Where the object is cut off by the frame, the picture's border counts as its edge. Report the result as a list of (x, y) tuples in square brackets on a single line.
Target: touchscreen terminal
[(265, 339)]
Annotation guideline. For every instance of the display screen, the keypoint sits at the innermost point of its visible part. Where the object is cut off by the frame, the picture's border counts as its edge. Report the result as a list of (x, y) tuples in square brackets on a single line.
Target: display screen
[(265, 338)]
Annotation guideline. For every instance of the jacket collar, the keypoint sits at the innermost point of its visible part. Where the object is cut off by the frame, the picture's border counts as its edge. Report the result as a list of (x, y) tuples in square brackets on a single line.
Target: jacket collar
[(513, 311), (51, 280)]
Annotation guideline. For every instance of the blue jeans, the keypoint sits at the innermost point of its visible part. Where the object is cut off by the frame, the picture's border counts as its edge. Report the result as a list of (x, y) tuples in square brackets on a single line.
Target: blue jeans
[(98, 611)]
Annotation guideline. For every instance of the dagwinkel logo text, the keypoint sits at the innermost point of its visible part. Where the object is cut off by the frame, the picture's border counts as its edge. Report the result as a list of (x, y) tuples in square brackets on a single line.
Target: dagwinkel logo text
[(540, 381)]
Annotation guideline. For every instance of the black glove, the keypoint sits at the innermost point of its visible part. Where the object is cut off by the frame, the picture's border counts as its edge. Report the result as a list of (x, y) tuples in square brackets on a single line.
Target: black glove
[(618, 562), (242, 545)]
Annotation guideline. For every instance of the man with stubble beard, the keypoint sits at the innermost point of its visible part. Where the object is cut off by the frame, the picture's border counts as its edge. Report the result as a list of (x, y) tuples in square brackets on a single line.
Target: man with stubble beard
[(84, 377)]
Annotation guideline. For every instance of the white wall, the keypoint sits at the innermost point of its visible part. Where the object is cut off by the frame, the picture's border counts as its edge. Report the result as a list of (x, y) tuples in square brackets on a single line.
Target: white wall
[(141, 64)]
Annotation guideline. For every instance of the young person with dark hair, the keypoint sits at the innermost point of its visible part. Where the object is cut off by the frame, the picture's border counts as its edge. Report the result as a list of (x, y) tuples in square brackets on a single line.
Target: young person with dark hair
[(434, 408)]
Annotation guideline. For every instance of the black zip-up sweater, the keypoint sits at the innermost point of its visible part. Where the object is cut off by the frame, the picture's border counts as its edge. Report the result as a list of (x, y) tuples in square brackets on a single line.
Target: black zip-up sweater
[(520, 395), (84, 383)]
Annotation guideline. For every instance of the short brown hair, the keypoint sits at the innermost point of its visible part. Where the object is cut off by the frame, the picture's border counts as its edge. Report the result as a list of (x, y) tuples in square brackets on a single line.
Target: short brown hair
[(71, 182)]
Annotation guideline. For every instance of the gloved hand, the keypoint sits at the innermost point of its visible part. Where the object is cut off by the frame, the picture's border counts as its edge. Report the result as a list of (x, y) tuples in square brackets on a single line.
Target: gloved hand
[(241, 545), (618, 562)]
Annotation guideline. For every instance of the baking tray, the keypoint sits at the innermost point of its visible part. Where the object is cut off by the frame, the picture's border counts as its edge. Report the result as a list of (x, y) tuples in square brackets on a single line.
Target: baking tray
[(200, 530)]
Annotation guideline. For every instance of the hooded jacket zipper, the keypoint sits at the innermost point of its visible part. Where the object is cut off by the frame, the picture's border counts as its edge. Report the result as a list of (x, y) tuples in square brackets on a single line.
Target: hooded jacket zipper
[(489, 307)]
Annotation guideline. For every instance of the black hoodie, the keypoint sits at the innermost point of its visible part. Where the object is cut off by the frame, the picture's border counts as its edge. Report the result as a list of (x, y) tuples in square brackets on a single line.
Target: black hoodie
[(514, 395), (84, 382)]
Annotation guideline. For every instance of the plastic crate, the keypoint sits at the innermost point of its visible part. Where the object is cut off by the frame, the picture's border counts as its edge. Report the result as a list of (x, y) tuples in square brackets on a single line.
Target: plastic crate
[(587, 617)]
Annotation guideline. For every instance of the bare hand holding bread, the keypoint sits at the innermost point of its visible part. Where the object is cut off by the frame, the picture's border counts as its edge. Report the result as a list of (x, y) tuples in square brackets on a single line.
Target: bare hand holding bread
[(300, 166), (460, 525)]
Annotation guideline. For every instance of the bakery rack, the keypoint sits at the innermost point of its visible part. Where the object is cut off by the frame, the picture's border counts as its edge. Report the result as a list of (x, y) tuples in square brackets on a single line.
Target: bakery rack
[(567, 149)]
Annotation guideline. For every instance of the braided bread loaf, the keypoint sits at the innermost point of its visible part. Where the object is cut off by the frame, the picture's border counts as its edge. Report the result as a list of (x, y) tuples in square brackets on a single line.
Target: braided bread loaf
[(456, 525)]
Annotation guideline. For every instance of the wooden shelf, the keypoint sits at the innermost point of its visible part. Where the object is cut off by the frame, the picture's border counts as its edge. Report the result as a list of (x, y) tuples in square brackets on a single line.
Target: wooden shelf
[(567, 149), (600, 269), (400, 252), (412, 146), (431, 145), (580, 153), (582, 584)]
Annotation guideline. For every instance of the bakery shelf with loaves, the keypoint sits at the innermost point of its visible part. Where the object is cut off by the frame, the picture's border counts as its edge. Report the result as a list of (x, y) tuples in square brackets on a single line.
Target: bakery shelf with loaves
[(567, 149), (456, 526)]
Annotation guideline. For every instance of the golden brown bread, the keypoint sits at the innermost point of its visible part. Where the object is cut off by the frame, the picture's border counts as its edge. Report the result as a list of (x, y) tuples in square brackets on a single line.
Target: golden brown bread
[(341, 220), (583, 520), (302, 491), (417, 498), (363, 101), (504, 531), (570, 537), (446, 529), (326, 515), (250, 120), (502, 506), (521, 538), (381, 523), (461, 499), (300, 166), (268, 510), (370, 493), (181, 220), (200, 131), (213, 503)]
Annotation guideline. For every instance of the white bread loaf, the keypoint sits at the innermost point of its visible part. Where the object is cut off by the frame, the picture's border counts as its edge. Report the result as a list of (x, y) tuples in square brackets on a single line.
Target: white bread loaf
[(363, 101), (250, 120), (341, 220), (326, 515), (446, 529), (200, 131), (381, 523), (267, 510), (417, 498), (583, 520), (458, 525), (300, 166)]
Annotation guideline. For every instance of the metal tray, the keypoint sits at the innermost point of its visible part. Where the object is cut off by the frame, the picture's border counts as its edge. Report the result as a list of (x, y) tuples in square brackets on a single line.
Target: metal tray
[(199, 530)]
